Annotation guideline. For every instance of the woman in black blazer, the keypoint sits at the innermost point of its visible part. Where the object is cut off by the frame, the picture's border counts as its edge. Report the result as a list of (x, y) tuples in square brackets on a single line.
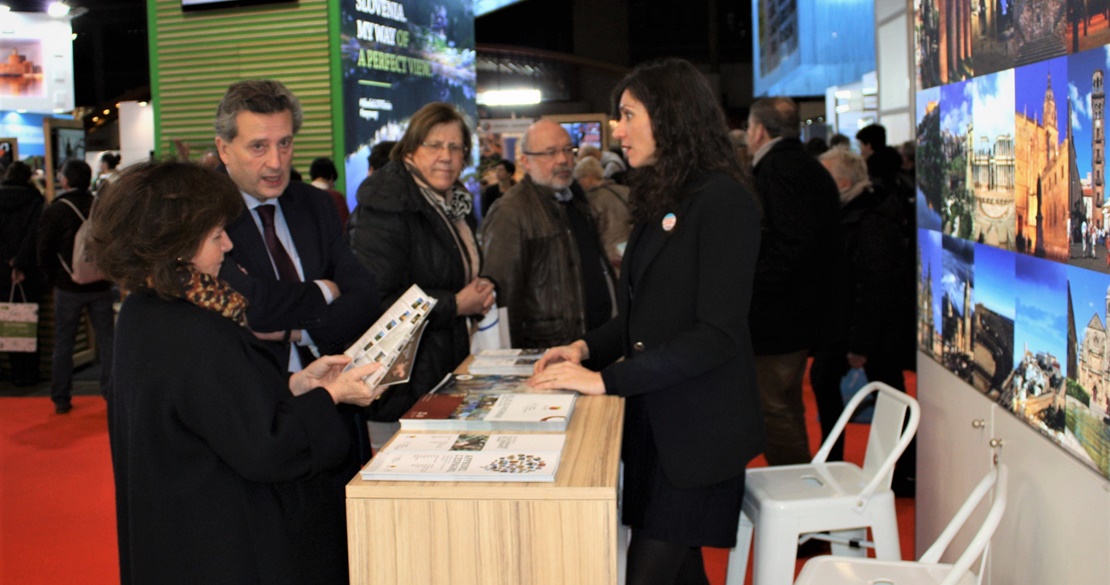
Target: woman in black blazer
[(221, 458), (692, 419)]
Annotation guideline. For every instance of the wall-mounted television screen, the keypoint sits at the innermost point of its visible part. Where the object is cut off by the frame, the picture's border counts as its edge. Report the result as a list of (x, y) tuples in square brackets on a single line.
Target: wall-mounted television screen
[(584, 133), (190, 5)]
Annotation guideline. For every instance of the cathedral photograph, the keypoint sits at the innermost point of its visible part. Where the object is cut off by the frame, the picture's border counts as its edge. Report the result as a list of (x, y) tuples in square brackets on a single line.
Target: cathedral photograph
[(992, 160), (929, 274), (1044, 181), (1088, 384)]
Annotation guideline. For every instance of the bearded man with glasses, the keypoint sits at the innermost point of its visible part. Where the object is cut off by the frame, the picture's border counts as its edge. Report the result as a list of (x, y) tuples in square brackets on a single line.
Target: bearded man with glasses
[(541, 246)]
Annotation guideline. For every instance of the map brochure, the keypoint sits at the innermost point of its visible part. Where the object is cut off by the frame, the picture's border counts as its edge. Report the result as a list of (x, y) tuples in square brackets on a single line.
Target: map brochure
[(467, 457)]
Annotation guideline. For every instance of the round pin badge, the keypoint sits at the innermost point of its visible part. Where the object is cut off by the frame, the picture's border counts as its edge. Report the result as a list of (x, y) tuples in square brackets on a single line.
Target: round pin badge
[(669, 222)]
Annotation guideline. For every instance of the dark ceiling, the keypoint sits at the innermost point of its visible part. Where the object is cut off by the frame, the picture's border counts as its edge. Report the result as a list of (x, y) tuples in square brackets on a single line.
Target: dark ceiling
[(111, 59)]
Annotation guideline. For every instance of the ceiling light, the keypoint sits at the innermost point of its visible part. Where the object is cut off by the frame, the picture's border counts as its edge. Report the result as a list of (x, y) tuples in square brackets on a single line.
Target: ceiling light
[(57, 9), (106, 112), (509, 97), (143, 104), (5, 8)]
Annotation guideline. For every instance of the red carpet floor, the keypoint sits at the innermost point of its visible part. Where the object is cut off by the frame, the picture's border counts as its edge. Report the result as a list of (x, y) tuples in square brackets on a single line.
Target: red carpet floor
[(57, 506), (57, 511)]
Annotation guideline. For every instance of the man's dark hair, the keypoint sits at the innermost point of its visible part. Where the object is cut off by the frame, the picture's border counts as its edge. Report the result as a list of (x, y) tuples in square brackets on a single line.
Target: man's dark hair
[(873, 136), (779, 115), (18, 173), (509, 166), (839, 139), (379, 154), (258, 96), (816, 146), (323, 168), (78, 174)]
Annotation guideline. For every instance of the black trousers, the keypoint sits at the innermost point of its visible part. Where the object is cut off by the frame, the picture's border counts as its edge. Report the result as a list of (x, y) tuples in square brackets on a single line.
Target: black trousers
[(830, 363)]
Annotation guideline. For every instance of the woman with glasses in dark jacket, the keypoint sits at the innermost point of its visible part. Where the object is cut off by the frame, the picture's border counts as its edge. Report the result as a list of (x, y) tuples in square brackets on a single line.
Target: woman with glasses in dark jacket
[(413, 225)]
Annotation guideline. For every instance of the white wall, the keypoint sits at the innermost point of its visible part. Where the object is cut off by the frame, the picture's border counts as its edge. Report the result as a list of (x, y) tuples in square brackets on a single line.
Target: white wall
[(1056, 529), (136, 133), (894, 64)]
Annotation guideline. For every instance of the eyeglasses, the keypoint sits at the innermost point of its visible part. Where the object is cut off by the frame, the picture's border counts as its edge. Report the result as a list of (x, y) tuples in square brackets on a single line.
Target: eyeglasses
[(569, 151), (452, 149)]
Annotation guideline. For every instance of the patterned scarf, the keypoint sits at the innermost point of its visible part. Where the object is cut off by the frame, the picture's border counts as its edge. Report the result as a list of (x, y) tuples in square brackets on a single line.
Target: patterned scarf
[(458, 207), (456, 202), (209, 292)]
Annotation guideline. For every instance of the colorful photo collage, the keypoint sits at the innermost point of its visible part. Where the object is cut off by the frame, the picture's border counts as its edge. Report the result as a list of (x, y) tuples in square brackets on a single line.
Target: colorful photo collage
[(1012, 208)]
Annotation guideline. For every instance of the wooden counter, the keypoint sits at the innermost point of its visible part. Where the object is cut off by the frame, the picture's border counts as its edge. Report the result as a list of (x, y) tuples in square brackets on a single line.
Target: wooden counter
[(487, 533)]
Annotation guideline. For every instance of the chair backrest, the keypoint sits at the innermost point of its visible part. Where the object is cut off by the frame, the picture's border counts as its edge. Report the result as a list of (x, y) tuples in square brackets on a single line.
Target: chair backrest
[(997, 478), (893, 426)]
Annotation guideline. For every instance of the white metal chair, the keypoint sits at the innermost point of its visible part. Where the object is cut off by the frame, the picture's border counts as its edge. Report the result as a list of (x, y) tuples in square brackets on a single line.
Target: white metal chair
[(834, 501), (827, 570)]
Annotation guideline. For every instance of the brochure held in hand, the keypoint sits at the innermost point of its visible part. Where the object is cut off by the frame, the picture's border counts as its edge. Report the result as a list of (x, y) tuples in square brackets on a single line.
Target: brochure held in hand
[(393, 339)]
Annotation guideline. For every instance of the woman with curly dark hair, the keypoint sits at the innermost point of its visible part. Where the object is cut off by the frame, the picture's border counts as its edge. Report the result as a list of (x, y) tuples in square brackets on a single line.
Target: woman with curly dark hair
[(220, 457), (692, 418)]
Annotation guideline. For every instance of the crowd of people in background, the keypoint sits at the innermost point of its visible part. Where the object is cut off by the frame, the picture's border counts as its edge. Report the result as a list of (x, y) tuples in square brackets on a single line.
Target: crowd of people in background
[(735, 258)]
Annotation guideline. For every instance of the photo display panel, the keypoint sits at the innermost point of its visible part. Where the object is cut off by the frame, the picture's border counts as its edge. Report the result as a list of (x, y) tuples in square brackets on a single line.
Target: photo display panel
[(1012, 211), (395, 57)]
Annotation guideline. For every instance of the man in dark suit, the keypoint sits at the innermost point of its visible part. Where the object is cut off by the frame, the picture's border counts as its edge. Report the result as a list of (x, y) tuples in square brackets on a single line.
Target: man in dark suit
[(800, 215), (306, 289), (308, 294)]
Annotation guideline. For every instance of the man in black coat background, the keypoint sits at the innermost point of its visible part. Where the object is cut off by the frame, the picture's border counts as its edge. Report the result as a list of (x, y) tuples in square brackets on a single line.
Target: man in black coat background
[(20, 208), (800, 215)]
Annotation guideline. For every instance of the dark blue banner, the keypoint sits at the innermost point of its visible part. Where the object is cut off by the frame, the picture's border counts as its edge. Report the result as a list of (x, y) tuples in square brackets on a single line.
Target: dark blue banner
[(395, 58)]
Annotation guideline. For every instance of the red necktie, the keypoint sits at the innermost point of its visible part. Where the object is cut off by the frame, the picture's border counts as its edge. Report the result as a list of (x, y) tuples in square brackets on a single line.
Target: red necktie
[(285, 268)]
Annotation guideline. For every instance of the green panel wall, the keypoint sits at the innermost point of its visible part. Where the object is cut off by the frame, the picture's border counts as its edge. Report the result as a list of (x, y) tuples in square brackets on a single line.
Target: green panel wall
[(195, 56)]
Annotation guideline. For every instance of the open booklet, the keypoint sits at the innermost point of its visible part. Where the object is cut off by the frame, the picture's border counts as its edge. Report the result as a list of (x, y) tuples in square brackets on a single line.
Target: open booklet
[(490, 403), (467, 457), (393, 339)]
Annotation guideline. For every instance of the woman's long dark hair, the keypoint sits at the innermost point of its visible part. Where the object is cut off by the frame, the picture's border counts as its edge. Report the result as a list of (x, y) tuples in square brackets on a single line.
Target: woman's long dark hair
[(689, 129)]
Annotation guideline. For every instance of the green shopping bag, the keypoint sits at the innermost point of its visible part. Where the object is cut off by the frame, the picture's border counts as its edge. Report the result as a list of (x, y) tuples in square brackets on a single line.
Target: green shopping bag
[(19, 324)]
